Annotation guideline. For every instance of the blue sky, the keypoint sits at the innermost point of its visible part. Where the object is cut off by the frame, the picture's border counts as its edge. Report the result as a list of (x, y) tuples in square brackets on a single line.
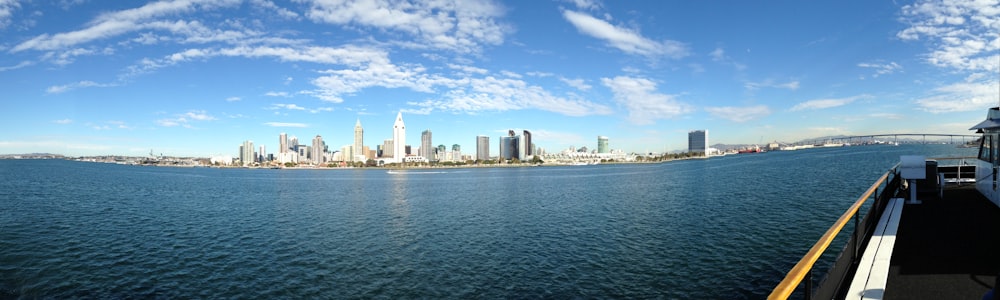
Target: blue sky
[(196, 78)]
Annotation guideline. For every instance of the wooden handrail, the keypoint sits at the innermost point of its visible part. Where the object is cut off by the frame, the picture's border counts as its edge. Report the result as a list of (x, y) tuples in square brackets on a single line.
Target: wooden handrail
[(804, 266)]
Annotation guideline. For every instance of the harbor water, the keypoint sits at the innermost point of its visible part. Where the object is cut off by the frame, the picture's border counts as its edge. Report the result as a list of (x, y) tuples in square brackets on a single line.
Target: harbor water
[(725, 227)]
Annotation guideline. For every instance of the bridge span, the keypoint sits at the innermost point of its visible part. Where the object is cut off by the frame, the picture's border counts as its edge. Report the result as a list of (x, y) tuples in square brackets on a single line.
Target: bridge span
[(895, 138)]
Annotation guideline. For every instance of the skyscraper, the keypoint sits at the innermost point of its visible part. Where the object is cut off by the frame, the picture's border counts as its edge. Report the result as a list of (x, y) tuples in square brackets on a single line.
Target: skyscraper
[(282, 143), (399, 138), (456, 152), (246, 153), (317, 150), (528, 145), (359, 138), (426, 150), (698, 141), (602, 144), (387, 148), (482, 148)]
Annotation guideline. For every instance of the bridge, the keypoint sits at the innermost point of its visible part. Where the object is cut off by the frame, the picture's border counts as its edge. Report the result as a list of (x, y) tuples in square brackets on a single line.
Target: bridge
[(894, 138)]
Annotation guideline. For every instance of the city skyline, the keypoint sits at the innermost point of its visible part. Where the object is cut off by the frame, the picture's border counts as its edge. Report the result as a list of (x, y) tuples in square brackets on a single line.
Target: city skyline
[(198, 78)]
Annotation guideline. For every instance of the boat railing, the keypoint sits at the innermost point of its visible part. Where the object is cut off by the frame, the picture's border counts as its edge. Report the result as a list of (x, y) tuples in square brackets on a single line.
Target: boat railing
[(828, 287)]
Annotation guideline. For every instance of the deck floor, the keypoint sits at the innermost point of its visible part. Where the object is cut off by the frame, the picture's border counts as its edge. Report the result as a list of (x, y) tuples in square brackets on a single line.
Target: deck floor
[(946, 248)]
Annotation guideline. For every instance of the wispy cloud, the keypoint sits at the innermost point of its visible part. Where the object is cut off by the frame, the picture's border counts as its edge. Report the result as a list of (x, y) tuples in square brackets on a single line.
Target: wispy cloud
[(17, 66), (586, 4), (63, 121), (881, 68), (825, 103), (7, 8), (278, 94), (740, 114), (282, 124), (233, 99), (624, 39), (964, 96), (578, 83), (644, 104), (56, 89), (287, 106), (791, 85), (186, 119), (460, 26), (963, 33)]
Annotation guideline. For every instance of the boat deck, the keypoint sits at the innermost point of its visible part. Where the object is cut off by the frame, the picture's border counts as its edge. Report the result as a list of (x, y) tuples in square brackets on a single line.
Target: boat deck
[(946, 248)]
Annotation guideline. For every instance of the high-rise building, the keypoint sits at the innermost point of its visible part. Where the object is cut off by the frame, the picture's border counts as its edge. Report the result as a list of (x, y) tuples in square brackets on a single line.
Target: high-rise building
[(387, 149), (359, 138), (246, 153), (262, 154), (293, 142), (483, 148), (456, 152), (282, 143), (602, 144), (529, 147), (426, 150), (399, 138), (317, 150), (508, 147), (698, 141)]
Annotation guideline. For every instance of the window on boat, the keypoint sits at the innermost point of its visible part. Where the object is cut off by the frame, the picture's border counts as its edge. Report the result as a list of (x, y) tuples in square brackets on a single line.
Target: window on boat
[(987, 148)]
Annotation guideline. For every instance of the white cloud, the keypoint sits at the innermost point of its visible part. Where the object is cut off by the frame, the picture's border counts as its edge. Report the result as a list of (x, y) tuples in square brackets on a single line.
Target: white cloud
[(586, 4), (278, 94), (185, 119), (718, 54), (882, 68), (578, 83), (282, 124), (287, 106), (17, 66), (461, 26), (7, 8), (473, 95), (963, 34), (468, 69), (56, 89), (645, 105), (120, 22), (791, 85), (270, 7), (825, 103), (740, 114), (199, 115), (626, 40), (964, 96), (63, 121), (233, 99)]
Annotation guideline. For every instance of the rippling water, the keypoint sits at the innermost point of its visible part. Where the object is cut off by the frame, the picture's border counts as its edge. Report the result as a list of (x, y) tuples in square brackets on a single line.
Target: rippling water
[(725, 227)]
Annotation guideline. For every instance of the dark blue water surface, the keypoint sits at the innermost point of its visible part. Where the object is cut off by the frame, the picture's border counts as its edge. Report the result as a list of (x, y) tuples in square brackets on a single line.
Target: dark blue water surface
[(726, 227)]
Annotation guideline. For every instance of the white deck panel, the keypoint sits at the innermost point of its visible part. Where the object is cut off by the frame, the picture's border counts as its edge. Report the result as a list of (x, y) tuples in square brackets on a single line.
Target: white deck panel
[(870, 279)]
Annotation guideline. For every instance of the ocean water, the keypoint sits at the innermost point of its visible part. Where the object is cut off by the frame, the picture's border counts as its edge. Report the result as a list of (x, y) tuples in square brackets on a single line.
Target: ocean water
[(726, 227)]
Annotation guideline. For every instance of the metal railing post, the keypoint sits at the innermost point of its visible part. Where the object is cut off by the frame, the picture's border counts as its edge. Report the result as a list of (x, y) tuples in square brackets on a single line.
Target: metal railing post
[(809, 284)]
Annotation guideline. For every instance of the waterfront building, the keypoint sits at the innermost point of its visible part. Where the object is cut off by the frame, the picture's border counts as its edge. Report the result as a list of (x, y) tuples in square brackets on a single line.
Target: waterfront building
[(522, 147), (317, 150), (456, 152), (246, 153), (508, 147), (426, 150), (347, 153), (698, 141), (407, 151), (399, 138), (529, 146), (303, 152), (387, 148), (262, 154), (482, 148), (293, 143), (440, 152), (282, 143), (602, 144), (359, 138)]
